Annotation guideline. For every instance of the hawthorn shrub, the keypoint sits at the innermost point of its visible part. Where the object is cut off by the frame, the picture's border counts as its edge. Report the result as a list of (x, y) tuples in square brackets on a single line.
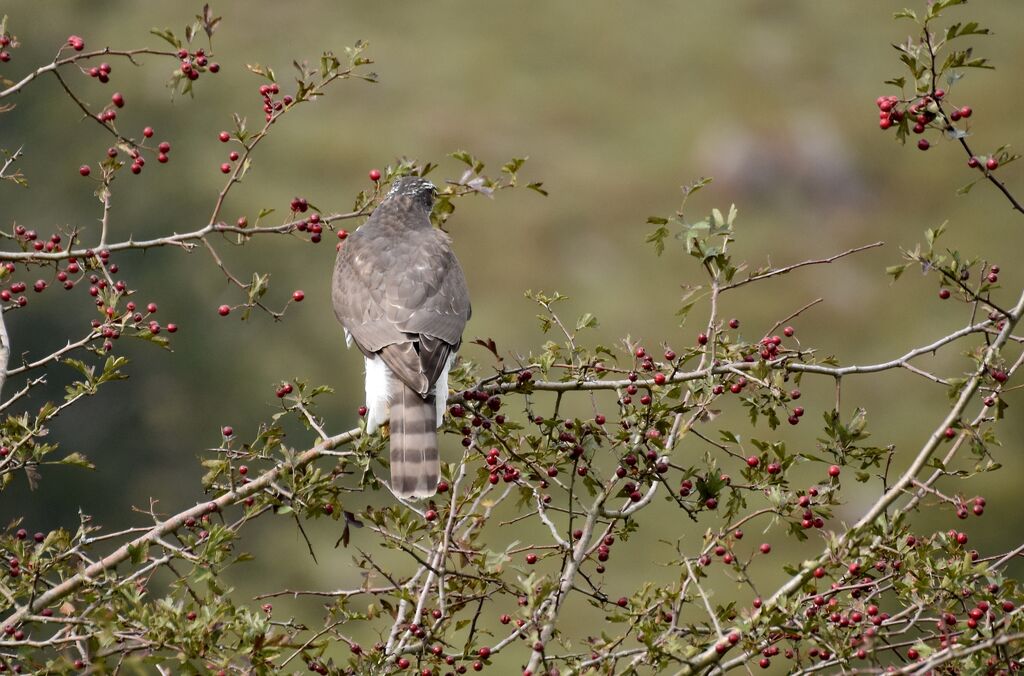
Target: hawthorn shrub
[(446, 590)]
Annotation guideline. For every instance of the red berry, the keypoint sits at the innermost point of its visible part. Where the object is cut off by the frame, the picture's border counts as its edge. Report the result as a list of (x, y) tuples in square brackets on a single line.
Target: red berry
[(702, 339), (833, 471), (225, 168), (659, 378), (148, 132), (227, 431), (966, 111), (162, 158), (164, 147), (973, 162), (430, 515), (622, 602), (374, 175), (224, 137), (753, 461), (484, 652), (923, 144), (233, 155), (85, 170), (943, 294), (223, 310), (992, 164), (950, 432), (531, 559), (342, 234), (789, 331), (118, 99), (297, 296), (766, 548)]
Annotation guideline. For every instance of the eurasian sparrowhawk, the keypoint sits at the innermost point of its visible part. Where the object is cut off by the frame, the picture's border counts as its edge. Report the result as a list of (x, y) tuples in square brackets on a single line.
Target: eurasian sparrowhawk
[(401, 295)]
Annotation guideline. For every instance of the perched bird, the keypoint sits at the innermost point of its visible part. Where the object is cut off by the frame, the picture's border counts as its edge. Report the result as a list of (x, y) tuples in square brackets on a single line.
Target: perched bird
[(401, 296)]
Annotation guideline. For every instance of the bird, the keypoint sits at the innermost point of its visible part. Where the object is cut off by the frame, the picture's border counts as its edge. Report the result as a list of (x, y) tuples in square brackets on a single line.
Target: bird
[(401, 297)]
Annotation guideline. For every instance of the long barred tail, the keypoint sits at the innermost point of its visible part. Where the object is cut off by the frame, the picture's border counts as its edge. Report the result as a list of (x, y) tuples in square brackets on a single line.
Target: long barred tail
[(415, 467)]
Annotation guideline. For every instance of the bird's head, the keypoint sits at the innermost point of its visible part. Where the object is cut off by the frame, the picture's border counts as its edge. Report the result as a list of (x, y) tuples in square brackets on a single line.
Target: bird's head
[(415, 189)]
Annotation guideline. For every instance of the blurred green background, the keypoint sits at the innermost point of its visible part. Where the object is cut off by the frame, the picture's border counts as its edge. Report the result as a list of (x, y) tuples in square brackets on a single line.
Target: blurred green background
[(616, 104)]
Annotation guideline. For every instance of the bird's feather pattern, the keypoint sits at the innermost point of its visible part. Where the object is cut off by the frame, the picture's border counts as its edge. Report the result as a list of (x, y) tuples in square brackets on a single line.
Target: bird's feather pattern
[(401, 295)]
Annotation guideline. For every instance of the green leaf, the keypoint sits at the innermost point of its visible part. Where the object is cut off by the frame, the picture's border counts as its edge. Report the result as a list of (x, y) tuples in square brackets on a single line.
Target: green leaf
[(168, 35), (587, 321), (657, 238), (263, 71), (78, 460), (464, 157), (513, 165), (905, 14), (536, 187), (896, 271), (138, 553)]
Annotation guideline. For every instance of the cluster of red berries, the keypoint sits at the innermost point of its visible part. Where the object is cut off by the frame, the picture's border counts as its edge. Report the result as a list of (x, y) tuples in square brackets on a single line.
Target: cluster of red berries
[(283, 391), (30, 238), (478, 404), (6, 41), (977, 506), (991, 162), (313, 225), (192, 64), (226, 167), (500, 469), (76, 43), (270, 105), (923, 112), (101, 72)]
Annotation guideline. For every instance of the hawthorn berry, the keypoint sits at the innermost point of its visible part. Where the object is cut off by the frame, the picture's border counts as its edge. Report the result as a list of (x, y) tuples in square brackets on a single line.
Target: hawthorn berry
[(992, 164), (923, 143), (85, 170), (223, 310), (833, 471), (117, 99), (224, 137), (374, 175), (225, 168), (148, 132), (297, 296)]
